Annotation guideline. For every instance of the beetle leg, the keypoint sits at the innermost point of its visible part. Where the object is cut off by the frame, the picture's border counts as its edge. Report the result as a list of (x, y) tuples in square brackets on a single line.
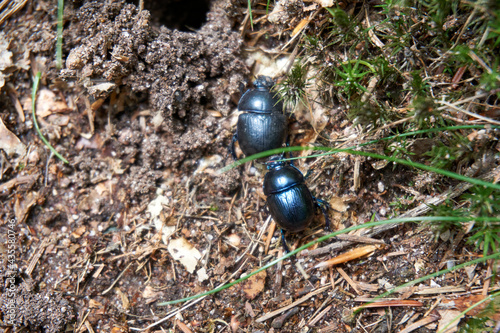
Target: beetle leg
[(308, 173), (231, 149), (322, 204), (283, 240)]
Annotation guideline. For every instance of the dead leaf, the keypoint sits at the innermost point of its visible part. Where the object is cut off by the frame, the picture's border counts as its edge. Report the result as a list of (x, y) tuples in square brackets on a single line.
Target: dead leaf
[(78, 232), (446, 317), (464, 302), (60, 120), (100, 308), (208, 162), (149, 292), (102, 188), (155, 208), (254, 285), (95, 142), (93, 201), (9, 142), (249, 309), (116, 165), (14, 98), (181, 250), (123, 298), (48, 103), (93, 304), (23, 205)]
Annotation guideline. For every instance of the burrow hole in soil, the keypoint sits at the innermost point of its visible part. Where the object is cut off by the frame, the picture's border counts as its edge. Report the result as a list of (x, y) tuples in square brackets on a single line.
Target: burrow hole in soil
[(183, 15)]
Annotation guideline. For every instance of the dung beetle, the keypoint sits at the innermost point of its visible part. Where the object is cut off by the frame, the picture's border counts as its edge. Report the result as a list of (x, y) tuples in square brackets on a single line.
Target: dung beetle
[(289, 200), (263, 125)]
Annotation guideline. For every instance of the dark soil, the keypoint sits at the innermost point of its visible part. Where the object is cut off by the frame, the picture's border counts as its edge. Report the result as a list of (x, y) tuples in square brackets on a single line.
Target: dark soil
[(149, 116)]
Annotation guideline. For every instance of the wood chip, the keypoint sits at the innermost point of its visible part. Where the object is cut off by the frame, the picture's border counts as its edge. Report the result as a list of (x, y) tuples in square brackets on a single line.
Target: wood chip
[(348, 256), (183, 327), (272, 228), (298, 28), (349, 280), (440, 290), (422, 322)]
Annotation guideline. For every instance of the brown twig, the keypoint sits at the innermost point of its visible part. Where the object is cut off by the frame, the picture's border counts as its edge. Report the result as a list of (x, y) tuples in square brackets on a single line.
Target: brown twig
[(297, 302), (349, 280)]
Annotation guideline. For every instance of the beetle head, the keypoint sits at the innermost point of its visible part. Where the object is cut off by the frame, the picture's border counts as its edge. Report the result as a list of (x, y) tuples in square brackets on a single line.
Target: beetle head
[(275, 163), (263, 82)]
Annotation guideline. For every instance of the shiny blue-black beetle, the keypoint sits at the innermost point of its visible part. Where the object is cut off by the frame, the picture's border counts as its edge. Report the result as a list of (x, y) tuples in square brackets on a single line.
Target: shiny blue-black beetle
[(263, 125), (290, 203)]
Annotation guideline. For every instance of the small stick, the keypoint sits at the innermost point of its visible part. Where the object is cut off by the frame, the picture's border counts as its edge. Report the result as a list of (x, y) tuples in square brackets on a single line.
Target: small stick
[(422, 322), (349, 280), (472, 114), (37, 255), (360, 239), (391, 303), (319, 316), (294, 304), (348, 256), (116, 280), (278, 322), (272, 228)]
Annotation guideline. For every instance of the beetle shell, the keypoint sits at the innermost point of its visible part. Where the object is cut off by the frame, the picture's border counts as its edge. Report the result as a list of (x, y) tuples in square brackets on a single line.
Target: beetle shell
[(260, 132), (260, 100), (262, 125), (289, 200)]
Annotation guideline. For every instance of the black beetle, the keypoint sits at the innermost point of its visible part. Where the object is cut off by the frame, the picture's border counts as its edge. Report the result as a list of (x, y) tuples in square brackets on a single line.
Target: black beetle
[(263, 125), (289, 200)]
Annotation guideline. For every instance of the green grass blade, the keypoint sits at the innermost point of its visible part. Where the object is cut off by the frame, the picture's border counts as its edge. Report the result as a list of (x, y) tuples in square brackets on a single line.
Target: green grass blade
[(36, 81), (250, 13), (60, 14), (330, 151)]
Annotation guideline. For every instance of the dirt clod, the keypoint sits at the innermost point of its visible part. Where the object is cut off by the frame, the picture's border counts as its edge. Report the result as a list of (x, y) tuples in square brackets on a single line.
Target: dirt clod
[(46, 311)]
